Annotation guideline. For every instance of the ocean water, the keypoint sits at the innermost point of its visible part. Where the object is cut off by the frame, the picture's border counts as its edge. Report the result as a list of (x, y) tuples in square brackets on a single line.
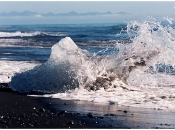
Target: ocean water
[(128, 64)]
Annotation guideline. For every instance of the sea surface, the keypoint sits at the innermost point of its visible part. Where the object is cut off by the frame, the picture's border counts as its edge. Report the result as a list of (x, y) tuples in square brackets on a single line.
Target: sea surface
[(128, 64)]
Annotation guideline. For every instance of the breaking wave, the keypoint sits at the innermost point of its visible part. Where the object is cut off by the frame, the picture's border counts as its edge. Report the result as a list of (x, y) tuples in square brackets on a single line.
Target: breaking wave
[(28, 34), (141, 74)]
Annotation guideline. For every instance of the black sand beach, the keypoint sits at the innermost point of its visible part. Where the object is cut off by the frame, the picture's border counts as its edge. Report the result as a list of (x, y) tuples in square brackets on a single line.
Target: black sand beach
[(22, 111)]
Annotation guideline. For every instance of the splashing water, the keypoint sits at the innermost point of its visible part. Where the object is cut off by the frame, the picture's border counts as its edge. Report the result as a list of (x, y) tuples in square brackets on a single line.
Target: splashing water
[(140, 75)]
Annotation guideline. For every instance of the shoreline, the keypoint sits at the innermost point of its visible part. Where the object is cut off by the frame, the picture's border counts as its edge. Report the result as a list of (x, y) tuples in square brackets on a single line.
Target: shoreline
[(22, 111), (114, 116)]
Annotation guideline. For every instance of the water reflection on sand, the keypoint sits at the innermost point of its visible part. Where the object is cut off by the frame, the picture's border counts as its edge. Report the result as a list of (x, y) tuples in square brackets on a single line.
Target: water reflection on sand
[(114, 115)]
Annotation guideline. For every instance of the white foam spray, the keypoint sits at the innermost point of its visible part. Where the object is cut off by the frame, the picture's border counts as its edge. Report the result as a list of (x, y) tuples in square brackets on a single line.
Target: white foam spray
[(9, 68), (141, 75)]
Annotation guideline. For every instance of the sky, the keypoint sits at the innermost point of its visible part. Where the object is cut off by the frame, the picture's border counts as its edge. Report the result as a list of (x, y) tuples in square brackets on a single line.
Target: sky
[(137, 10)]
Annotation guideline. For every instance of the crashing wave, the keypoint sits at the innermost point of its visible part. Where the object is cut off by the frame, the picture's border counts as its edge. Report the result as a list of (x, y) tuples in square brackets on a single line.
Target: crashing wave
[(70, 67), (141, 74)]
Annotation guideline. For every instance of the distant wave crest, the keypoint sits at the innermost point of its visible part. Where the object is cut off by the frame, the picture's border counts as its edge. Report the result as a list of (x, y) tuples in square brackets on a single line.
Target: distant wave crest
[(29, 34)]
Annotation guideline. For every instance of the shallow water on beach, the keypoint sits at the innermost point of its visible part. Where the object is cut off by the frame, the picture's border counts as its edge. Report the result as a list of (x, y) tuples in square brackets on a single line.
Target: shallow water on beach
[(113, 116)]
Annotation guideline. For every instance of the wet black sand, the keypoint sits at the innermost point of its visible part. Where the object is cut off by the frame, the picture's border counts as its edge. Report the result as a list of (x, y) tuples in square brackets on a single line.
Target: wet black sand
[(114, 116), (22, 111)]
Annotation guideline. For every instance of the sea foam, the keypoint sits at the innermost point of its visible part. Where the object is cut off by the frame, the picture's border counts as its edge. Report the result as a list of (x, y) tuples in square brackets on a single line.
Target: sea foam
[(9, 68), (140, 75), (29, 34)]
